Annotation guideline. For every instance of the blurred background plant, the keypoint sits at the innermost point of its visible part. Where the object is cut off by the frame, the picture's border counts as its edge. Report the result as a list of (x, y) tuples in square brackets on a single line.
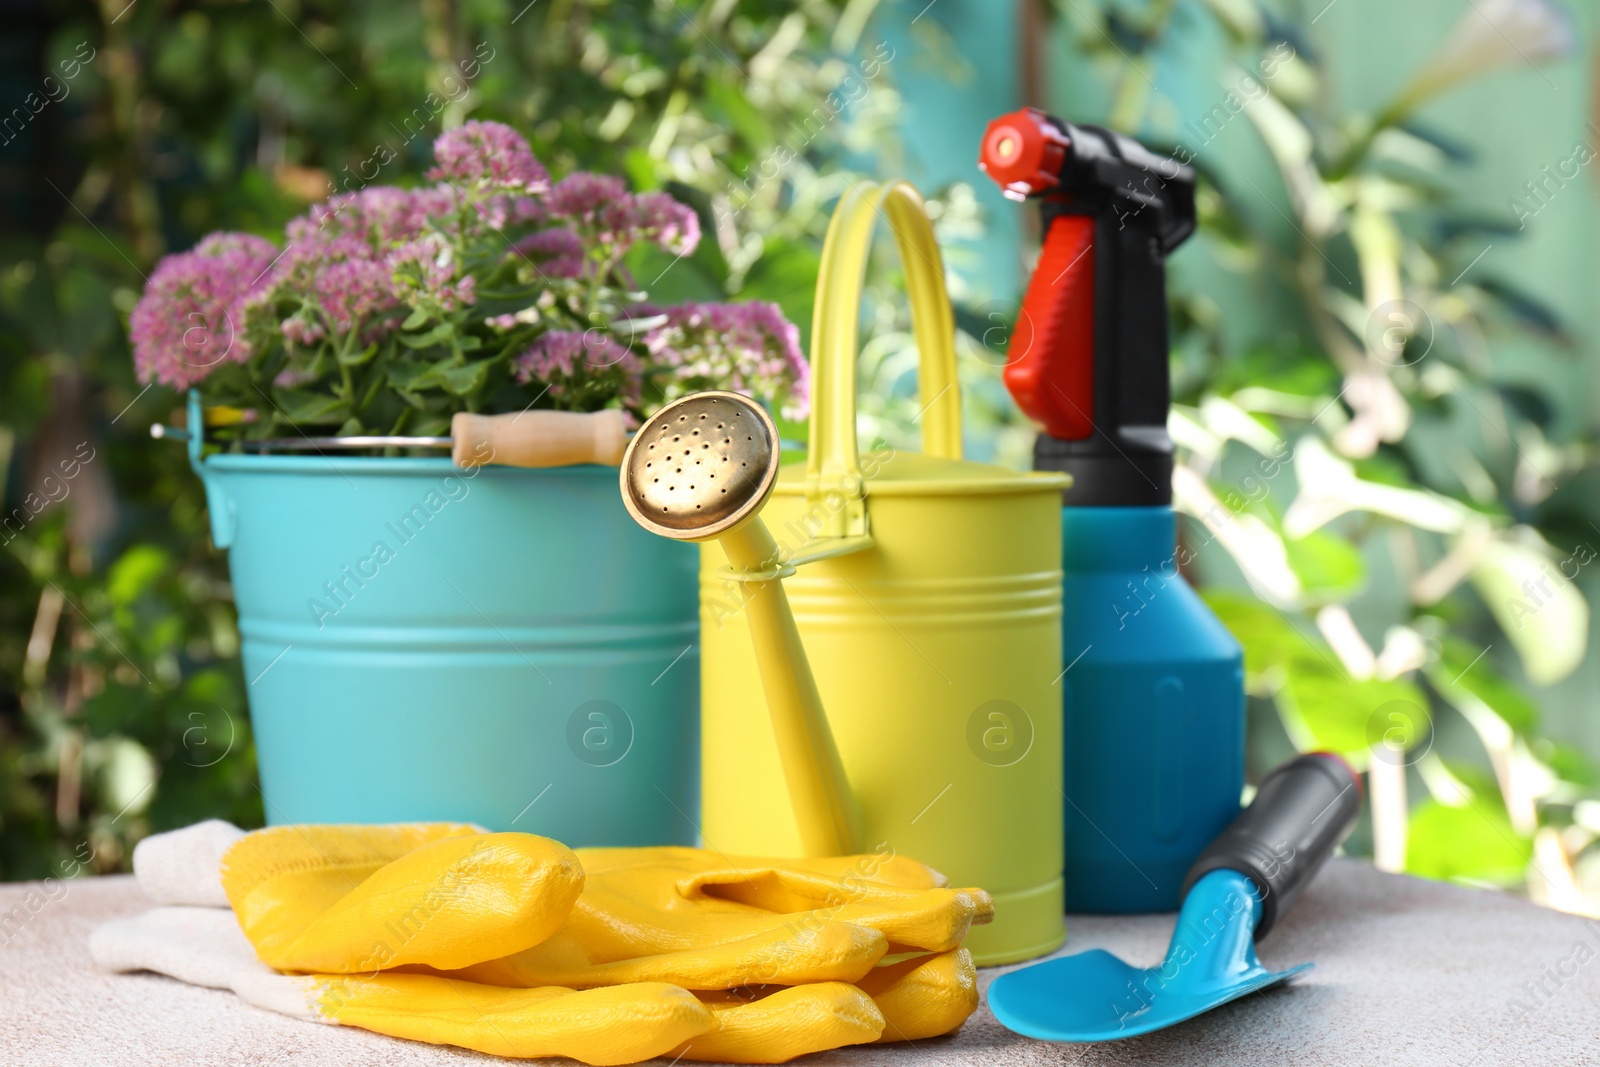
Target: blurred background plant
[(1381, 355)]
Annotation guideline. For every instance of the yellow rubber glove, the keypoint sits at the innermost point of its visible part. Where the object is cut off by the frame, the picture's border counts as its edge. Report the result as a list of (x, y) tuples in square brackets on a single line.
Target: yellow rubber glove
[(925, 996), (345, 899), (783, 1022), (446, 900), (703, 921), (609, 1025), (354, 901), (620, 1024)]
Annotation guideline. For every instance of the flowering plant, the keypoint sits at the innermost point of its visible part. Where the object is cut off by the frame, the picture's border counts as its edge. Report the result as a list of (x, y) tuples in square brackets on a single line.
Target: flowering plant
[(387, 310)]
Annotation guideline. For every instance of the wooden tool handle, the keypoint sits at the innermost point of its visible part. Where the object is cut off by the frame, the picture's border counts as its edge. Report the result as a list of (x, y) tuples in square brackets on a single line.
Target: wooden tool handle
[(538, 438)]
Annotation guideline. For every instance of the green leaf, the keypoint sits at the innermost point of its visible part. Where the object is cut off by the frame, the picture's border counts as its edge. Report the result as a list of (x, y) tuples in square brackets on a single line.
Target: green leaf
[(116, 706), (1464, 670), (1268, 639), (312, 408), (410, 377), (212, 686), (1324, 708), (1543, 613), (1533, 311), (432, 426), (1321, 705), (640, 169), (1477, 780), (1284, 369), (1327, 565), (417, 317), (436, 336), (1568, 762), (1474, 843), (356, 359), (86, 316), (464, 380), (134, 572)]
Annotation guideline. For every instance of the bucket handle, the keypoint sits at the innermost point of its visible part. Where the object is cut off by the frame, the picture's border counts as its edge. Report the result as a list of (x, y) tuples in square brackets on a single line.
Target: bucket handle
[(219, 504), (833, 465)]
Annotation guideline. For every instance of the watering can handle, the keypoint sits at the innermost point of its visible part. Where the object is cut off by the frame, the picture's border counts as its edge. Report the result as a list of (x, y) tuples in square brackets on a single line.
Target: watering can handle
[(834, 465), (1302, 811)]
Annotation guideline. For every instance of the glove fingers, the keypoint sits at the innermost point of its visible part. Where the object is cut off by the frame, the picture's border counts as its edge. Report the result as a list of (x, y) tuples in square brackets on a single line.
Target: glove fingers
[(933, 920), (791, 954), (619, 1024), (888, 869), (448, 904), (278, 880), (786, 1023), (924, 997)]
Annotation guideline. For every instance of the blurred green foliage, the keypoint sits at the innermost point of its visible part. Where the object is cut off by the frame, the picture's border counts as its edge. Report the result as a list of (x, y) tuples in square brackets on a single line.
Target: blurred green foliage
[(1401, 541), (137, 129)]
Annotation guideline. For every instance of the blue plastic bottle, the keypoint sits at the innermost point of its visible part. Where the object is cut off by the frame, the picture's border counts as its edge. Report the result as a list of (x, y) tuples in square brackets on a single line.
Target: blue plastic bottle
[(1154, 686), (1154, 706)]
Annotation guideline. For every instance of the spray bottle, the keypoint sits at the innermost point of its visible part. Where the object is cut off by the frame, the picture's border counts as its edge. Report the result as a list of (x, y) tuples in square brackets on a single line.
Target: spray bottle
[(1154, 687)]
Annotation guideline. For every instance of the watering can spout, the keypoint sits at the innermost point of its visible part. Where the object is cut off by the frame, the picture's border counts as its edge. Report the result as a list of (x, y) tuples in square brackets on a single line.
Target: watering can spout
[(700, 470)]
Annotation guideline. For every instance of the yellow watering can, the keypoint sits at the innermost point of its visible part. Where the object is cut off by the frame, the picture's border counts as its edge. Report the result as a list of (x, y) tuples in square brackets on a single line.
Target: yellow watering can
[(929, 607)]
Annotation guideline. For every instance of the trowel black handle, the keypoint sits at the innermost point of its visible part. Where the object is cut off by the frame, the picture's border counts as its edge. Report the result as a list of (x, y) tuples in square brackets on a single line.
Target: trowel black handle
[(1302, 811)]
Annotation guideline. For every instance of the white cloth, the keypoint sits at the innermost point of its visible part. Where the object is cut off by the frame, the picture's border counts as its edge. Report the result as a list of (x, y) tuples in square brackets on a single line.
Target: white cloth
[(196, 939), (201, 946), (185, 866)]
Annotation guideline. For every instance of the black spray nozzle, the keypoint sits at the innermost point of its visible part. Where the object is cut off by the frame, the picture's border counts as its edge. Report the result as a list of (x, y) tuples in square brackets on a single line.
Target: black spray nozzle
[(1088, 359)]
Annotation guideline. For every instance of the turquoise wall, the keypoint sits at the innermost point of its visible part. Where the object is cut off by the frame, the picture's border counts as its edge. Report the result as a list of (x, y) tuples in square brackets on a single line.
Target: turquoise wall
[(956, 68)]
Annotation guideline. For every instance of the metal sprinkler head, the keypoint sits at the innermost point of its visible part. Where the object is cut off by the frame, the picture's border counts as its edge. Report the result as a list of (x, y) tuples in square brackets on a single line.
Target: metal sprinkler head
[(700, 466)]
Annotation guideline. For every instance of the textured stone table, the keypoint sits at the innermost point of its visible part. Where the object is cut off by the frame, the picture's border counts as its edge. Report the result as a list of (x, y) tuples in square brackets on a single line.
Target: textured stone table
[(1408, 972)]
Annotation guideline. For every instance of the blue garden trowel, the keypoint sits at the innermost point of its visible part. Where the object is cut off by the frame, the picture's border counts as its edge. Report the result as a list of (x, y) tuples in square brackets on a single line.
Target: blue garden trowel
[(1234, 893)]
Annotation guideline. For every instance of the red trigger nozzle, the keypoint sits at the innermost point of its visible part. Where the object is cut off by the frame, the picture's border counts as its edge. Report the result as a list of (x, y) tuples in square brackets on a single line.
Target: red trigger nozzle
[(1023, 152)]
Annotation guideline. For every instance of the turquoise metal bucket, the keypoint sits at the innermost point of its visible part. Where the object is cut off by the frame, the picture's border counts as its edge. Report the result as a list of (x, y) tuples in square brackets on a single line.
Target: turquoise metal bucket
[(500, 645)]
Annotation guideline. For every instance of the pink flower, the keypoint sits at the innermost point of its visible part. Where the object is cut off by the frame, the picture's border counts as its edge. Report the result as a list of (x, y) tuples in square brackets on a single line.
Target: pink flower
[(500, 210), (579, 197), (489, 154), (357, 293), (293, 378), (658, 218), (376, 216), (749, 348), (568, 360), (600, 206), (559, 253), (425, 271), (226, 243), (188, 319), (338, 259), (335, 277), (303, 329)]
